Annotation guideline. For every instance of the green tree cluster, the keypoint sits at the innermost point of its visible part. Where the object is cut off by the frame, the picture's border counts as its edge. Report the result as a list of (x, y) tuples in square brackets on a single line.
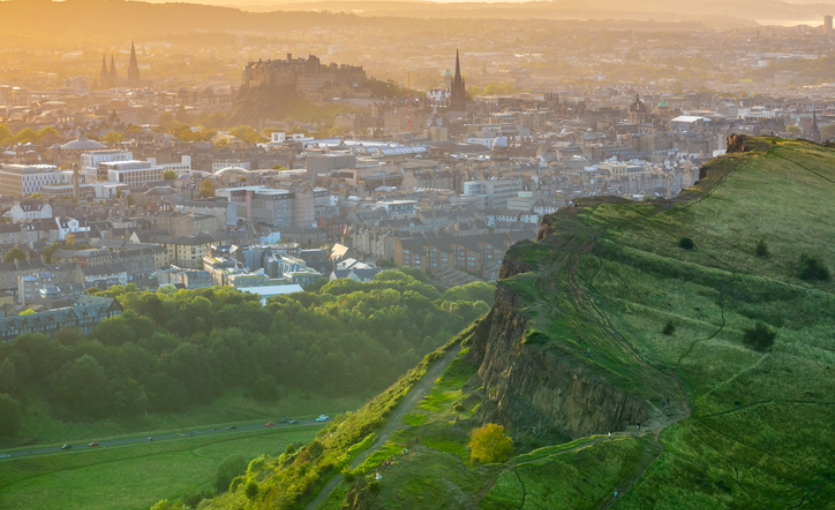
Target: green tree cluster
[(169, 350), (489, 444)]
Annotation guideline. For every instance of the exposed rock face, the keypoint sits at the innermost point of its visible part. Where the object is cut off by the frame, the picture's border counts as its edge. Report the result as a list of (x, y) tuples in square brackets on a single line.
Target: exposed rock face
[(531, 389), (736, 143)]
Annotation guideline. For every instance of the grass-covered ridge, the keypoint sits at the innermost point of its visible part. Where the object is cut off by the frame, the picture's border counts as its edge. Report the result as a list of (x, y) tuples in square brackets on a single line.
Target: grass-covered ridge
[(748, 425)]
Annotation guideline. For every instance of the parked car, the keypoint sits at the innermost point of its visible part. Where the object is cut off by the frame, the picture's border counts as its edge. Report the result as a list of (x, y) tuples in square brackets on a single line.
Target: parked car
[(269, 424), (67, 447), (93, 444), (232, 427), (293, 422), (322, 417)]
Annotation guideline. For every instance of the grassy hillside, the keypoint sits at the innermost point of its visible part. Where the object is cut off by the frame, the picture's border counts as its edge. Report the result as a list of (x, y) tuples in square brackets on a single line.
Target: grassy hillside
[(132, 477), (744, 428)]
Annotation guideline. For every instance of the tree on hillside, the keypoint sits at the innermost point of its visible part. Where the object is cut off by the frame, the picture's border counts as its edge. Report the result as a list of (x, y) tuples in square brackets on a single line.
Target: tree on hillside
[(113, 138), (26, 136), (489, 444), (165, 118), (214, 121), (49, 251), (15, 254), (762, 248), (165, 505), (812, 268), (685, 243), (760, 337), (207, 189), (8, 377), (229, 468), (48, 133), (10, 416), (181, 115)]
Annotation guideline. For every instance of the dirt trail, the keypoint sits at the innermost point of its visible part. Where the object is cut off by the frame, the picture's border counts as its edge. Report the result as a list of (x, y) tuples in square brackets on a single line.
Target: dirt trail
[(413, 398)]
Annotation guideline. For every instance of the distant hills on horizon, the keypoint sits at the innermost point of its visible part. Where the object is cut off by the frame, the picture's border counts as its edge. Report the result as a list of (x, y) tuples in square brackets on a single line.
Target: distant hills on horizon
[(83, 19), (712, 12)]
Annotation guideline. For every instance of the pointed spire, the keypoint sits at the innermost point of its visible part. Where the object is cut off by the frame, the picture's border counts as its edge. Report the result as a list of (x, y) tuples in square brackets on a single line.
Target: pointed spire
[(133, 67), (112, 70), (457, 76)]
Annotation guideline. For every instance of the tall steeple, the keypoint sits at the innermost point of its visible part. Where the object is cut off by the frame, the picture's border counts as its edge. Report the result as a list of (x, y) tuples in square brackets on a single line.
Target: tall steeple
[(815, 133), (458, 92), (112, 70), (104, 77), (133, 67)]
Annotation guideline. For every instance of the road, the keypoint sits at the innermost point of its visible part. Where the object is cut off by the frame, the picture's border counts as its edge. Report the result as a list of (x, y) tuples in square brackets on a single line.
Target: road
[(169, 436)]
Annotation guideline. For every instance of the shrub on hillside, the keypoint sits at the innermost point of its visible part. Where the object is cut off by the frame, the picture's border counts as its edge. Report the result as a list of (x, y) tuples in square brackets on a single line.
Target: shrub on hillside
[(193, 497), (251, 489), (227, 470), (685, 243), (489, 444), (669, 328), (762, 248), (759, 338), (812, 268), (10, 416)]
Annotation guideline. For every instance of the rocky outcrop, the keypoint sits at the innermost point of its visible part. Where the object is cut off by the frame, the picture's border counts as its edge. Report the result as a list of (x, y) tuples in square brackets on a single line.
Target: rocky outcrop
[(736, 143), (531, 389)]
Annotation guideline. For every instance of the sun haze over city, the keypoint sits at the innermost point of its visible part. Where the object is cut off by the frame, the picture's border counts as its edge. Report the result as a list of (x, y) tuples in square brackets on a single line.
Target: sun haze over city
[(367, 255)]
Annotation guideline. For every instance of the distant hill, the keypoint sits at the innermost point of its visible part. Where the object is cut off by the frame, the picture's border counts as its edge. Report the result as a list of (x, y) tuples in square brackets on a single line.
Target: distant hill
[(698, 331)]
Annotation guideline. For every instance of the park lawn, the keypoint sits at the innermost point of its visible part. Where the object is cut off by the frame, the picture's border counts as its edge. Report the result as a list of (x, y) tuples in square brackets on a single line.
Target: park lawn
[(232, 407), (131, 477)]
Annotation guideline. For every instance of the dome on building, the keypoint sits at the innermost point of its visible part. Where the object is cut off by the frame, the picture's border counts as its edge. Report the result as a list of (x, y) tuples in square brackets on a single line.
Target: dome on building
[(82, 144), (662, 104), (448, 73), (231, 170)]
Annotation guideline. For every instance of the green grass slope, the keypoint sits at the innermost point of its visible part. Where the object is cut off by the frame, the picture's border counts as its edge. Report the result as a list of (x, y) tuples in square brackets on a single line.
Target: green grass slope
[(132, 477), (744, 428)]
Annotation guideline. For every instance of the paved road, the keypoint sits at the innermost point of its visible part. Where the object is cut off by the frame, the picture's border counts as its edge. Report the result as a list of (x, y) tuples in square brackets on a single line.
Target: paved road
[(171, 436)]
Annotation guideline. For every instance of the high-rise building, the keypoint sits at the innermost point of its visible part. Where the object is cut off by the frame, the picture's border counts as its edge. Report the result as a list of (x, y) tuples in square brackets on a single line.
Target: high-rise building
[(458, 91), (827, 24)]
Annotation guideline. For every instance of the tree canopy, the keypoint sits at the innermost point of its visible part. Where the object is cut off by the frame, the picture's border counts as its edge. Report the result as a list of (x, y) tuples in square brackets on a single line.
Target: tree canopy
[(172, 349)]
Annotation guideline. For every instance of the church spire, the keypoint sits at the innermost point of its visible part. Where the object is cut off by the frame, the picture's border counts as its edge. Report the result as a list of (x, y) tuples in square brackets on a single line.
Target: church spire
[(112, 70), (133, 67), (458, 92)]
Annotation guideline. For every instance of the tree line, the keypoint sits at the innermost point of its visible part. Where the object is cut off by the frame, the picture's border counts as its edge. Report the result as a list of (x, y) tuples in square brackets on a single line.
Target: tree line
[(172, 349)]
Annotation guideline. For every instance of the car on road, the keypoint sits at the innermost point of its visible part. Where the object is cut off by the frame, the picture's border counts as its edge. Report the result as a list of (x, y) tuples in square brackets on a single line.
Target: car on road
[(93, 444), (67, 447), (4, 455), (232, 427), (293, 422), (269, 424), (322, 417)]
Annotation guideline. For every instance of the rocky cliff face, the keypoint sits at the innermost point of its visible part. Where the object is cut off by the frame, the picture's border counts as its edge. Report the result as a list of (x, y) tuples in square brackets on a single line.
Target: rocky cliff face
[(536, 390)]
